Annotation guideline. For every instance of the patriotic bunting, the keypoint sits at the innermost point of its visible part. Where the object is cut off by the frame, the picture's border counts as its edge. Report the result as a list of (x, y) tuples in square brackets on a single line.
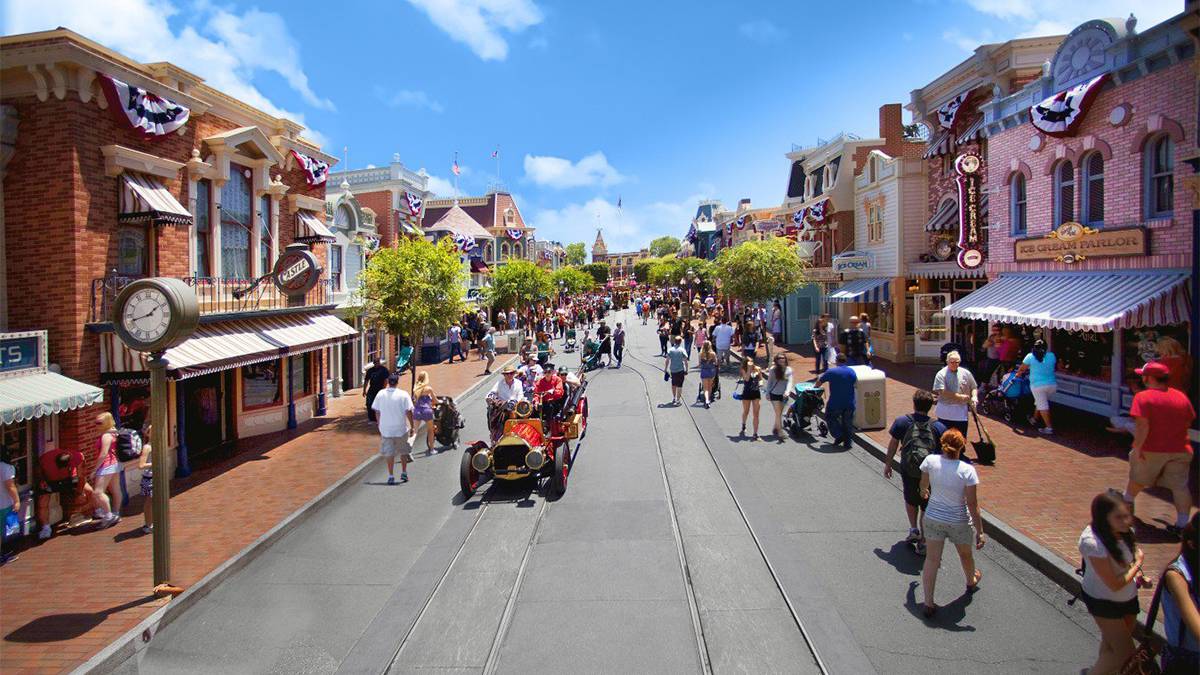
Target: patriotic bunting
[(691, 233), (151, 115), (464, 243), (949, 110), (741, 223), (799, 215), (414, 204), (817, 213), (515, 235), (315, 171), (1060, 114)]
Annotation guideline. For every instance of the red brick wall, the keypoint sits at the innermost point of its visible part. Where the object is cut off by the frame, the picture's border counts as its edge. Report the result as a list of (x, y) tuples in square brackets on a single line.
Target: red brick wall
[(1170, 92), (385, 217)]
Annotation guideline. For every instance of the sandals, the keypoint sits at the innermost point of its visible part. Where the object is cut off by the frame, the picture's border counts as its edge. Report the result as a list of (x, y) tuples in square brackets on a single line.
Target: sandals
[(928, 611), (972, 587)]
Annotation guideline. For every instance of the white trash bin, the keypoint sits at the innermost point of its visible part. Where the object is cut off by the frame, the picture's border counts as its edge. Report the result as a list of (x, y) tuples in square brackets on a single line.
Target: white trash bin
[(870, 400)]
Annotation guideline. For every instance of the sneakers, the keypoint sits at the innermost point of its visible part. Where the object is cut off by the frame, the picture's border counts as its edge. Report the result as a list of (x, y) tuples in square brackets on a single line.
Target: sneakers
[(109, 521), (913, 535), (147, 529), (403, 477), (45, 533), (1046, 431), (391, 480)]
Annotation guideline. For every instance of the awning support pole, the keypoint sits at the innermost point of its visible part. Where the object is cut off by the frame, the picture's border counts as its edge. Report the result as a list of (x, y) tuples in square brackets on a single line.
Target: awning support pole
[(183, 466), (321, 380), (291, 423)]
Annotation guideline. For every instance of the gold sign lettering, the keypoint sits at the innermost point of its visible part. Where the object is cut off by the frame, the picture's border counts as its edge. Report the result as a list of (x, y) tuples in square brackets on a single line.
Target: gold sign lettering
[(1072, 242)]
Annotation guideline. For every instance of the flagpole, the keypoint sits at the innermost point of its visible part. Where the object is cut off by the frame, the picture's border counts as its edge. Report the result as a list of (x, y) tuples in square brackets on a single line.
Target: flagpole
[(497, 167), (456, 172)]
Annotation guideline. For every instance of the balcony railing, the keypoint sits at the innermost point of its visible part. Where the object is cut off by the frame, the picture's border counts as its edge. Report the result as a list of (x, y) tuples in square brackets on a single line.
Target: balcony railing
[(215, 295)]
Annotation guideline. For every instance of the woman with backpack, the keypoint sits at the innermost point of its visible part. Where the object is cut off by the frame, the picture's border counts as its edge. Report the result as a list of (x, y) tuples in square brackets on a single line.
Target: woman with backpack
[(424, 404), (951, 486), (106, 479), (1181, 618), (1112, 572), (779, 384)]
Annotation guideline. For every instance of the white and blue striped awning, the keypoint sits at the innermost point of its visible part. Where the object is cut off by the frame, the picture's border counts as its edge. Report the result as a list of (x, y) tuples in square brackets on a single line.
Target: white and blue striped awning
[(1093, 301), (863, 290), (28, 397)]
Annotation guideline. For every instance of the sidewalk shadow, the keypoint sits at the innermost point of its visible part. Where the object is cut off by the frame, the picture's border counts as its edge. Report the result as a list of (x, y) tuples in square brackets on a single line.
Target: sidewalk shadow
[(58, 627), (828, 448), (901, 557), (948, 616)]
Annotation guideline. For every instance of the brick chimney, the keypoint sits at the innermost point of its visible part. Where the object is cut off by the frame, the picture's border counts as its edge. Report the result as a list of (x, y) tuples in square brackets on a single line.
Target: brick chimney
[(743, 204), (891, 122)]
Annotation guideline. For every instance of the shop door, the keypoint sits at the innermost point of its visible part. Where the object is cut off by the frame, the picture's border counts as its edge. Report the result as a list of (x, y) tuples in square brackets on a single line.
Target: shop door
[(349, 372), (203, 400), (931, 325), (799, 310)]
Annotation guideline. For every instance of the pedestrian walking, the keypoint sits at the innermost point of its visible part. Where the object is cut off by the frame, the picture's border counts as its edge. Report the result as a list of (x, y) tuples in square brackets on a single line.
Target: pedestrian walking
[(604, 335), (854, 343), (1181, 606), (676, 366), (956, 392), (751, 379), (820, 345), (831, 336), (750, 339), (1161, 454), (952, 488), (105, 479), (10, 500), (489, 349), (1009, 349), (454, 336), (512, 319), (618, 338), (915, 436), (1112, 572), (374, 380), (708, 373), (664, 334), (722, 338), (395, 409), (779, 383), (424, 402), (146, 485), (840, 405), (991, 359), (776, 320), (1042, 382)]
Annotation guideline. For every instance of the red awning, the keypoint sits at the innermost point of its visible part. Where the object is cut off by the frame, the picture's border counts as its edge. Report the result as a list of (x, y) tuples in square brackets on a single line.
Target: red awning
[(145, 199), (310, 229), (479, 267)]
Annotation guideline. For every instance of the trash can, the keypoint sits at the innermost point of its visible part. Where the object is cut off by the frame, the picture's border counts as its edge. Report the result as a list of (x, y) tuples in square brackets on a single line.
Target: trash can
[(514, 341), (870, 400)]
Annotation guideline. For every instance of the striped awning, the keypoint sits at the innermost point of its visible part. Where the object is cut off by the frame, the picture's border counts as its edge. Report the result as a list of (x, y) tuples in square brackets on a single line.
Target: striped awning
[(145, 199), (940, 145), (27, 397), (863, 290), (973, 132), (310, 229), (945, 218), (1102, 301), (228, 344)]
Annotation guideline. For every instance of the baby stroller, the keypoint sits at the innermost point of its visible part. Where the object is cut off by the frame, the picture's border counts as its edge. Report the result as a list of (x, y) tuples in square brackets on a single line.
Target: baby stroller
[(716, 390), (1012, 401), (591, 355), (805, 401), (448, 422), (571, 342)]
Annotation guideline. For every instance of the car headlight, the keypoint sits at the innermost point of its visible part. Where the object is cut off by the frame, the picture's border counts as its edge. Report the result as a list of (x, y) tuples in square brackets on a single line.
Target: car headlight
[(534, 459), (481, 461)]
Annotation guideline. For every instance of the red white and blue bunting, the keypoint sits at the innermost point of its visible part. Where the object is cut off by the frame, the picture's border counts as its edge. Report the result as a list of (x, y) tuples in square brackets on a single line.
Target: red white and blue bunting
[(414, 204), (740, 223), (153, 116), (464, 243), (691, 233), (315, 171), (819, 212), (1060, 114), (515, 235), (798, 216), (947, 113)]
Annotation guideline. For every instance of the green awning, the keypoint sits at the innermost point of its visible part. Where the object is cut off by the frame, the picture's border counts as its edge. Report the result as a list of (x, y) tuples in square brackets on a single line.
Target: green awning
[(27, 397)]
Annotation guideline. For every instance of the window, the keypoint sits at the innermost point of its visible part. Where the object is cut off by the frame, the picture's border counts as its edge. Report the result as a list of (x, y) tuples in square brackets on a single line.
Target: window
[(1160, 177), (875, 223), (132, 254), (1064, 193), (335, 266), (343, 218), (260, 385), (510, 217), (203, 228), (264, 234), (1092, 209), (796, 180), (1017, 204), (299, 374), (517, 251), (831, 172), (354, 254), (814, 182), (18, 439), (504, 251), (489, 251), (235, 224)]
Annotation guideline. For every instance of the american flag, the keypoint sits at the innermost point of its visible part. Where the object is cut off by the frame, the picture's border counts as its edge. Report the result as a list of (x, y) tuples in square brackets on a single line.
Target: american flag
[(457, 171), (798, 216)]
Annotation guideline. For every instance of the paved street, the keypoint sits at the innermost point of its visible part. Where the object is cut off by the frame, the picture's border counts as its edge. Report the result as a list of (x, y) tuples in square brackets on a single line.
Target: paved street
[(678, 547)]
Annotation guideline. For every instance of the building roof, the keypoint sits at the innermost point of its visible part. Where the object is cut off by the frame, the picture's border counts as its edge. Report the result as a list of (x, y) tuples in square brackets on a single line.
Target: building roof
[(487, 211), (458, 221)]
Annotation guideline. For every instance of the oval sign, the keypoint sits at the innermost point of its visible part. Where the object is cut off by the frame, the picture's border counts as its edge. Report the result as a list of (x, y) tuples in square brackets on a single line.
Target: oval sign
[(296, 272)]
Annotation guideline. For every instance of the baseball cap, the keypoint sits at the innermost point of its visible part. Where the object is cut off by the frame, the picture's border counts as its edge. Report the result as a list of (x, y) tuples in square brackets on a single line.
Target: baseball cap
[(1154, 368)]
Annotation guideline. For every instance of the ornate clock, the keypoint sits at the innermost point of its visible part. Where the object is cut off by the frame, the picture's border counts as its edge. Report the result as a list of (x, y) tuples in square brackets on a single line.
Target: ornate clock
[(1083, 54), (154, 314)]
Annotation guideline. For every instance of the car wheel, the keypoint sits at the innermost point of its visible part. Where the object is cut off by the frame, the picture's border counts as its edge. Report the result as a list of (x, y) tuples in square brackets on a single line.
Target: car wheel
[(468, 477), (562, 468)]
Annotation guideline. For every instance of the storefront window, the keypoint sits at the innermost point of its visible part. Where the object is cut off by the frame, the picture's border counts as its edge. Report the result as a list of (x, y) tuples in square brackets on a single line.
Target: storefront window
[(885, 320), (264, 234), (132, 260), (1158, 343), (261, 385), (300, 369), (134, 408), (18, 442), (235, 224), (373, 344), (203, 228), (1083, 353)]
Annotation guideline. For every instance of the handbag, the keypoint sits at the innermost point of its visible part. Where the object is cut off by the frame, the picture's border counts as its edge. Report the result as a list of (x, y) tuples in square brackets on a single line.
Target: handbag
[(666, 375), (985, 449), (1144, 659), (12, 525)]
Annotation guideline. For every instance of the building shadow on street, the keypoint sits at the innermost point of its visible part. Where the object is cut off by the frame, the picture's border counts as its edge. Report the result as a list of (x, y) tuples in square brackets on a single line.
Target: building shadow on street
[(59, 627)]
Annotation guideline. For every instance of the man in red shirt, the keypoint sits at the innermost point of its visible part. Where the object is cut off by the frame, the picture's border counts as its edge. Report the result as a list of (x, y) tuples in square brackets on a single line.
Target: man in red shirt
[(1161, 454), (549, 389)]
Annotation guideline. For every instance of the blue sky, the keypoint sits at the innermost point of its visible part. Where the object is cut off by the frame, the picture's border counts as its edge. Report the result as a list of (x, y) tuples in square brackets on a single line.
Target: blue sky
[(656, 103)]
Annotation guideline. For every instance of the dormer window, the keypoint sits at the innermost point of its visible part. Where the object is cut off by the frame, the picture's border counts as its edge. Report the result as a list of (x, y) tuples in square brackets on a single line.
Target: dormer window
[(510, 217), (815, 183), (831, 172), (343, 218)]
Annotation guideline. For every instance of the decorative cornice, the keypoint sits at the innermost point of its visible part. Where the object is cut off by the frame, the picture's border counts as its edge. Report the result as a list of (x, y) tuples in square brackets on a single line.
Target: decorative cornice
[(297, 202), (118, 159)]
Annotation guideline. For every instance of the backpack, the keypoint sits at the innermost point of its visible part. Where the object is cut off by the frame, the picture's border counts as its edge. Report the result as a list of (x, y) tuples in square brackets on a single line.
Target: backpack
[(917, 444), (128, 445)]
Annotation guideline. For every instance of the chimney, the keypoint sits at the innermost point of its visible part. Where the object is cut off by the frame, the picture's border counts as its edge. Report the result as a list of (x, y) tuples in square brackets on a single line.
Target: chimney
[(744, 204), (891, 122)]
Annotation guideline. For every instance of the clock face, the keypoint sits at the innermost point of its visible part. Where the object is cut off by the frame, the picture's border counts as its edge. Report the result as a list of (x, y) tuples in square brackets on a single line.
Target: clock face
[(147, 315), (1081, 55)]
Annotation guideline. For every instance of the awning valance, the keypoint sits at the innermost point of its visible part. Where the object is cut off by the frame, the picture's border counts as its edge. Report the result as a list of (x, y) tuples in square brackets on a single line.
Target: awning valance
[(310, 229), (1081, 300), (945, 218), (973, 132), (27, 397), (863, 290), (145, 199), (940, 144), (948, 269), (228, 344)]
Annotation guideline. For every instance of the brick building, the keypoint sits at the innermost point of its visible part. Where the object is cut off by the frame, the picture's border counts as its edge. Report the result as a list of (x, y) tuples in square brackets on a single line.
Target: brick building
[(1091, 226), (115, 170)]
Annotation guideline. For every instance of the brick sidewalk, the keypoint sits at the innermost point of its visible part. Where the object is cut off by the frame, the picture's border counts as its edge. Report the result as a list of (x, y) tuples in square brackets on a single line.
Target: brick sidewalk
[(1043, 486), (67, 598)]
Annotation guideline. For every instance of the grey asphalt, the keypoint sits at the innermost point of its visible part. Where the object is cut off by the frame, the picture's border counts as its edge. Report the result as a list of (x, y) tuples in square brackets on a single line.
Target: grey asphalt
[(678, 548)]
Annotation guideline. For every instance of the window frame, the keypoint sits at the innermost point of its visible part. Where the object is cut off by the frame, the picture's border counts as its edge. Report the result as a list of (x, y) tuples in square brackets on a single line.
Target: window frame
[(202, 265), (1018, 203), (278, 386), (266, 245), (336, 265), (237, 173), (306, 369), (1086, 178), (1150, 208), (143, 230), (1060, 185)]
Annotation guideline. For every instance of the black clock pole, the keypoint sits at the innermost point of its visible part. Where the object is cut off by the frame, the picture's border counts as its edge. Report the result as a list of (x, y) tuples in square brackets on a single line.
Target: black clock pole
[(162, 478)]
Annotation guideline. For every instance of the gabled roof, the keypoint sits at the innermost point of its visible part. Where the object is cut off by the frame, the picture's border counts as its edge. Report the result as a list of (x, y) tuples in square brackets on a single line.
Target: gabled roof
[(456, 220)]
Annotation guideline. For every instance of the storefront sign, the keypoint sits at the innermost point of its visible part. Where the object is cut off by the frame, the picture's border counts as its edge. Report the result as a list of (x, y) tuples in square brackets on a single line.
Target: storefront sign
[(853, 261), (969, 167), (1073, 242), (21, 351), (297, 271)]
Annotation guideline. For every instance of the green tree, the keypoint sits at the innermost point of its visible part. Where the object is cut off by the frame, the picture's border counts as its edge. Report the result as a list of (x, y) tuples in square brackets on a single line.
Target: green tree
[(517, 284), (668, 272), (576, 254), (664, 246), (572, 280), (599, 271), (412, 290), (759, 271), (641, 269)]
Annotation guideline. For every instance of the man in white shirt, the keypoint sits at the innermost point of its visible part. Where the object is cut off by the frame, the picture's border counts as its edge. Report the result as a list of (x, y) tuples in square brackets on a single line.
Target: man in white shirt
[(956, 393), (722, 339), (509, 388), (831, 331), (394, 408)]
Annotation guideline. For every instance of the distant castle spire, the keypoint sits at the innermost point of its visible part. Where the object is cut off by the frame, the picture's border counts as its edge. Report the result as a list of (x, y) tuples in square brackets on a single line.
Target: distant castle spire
[(599, 249)]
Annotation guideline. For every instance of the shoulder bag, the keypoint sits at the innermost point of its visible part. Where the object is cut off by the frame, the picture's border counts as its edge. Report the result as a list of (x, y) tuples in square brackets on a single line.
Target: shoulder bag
[(1144, 659)]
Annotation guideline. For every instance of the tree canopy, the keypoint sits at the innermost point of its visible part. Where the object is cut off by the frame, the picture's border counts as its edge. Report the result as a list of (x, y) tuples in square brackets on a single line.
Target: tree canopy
[(663, 246), (758, 271), (576, 254), (641, 269), (574, 280), (668, 272), (599, 271), (518, 283)]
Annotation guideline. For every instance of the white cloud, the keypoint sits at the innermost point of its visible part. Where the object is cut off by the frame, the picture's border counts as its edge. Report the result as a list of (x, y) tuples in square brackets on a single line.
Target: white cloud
[(408, 98), (441, 187), (216, 44), (967, 43), (627, 229), (1055, 17), (557, 172), (761, 30), (479, 23)]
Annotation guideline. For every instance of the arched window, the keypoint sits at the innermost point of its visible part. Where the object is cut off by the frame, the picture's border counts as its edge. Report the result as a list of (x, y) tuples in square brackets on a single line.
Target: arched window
[(510, 217), (236, 221), (504, 251), (1017, 204), (489, 251), (1064, 192), (343, 218), (1092, 208), (518, 252), (1159, 187)]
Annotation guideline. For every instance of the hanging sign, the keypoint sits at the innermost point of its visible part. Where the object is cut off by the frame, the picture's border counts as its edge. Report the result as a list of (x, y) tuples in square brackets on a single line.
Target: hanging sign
[(853, 261), (22, 352), (1060, 114), (151, 115), (297, 271), (315, 171), (1073, 242), (969, 168)]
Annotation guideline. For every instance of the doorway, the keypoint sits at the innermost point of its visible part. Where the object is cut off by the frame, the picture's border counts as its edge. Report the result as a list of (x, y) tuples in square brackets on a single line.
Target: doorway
[(207, 410)]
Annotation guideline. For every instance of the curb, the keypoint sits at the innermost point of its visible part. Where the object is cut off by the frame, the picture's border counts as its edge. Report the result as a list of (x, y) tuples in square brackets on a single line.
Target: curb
[(137, 638)]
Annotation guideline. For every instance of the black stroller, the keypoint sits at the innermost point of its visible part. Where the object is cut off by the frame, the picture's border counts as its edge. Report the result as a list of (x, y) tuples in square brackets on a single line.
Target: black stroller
[(806, 401), (448, 422), (716, 390)]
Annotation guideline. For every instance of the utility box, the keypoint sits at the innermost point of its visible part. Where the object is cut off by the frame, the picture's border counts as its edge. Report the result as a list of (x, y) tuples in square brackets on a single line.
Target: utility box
[(870, 399), (514, 341)]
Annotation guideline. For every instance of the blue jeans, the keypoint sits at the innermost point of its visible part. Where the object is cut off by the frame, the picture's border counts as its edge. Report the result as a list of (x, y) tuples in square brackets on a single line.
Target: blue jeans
[(822, 360), (841, 424), (456, 348)]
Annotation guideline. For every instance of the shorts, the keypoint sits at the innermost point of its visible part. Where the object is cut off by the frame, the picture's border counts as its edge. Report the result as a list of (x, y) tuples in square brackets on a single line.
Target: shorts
[(912, 490), (677, 378), (108, 470), (147, 485), (1041, 396), (1165, 469), (751, 395), (1110, 609), (961, 425), (775, 397), (959, 534), (389, 446)]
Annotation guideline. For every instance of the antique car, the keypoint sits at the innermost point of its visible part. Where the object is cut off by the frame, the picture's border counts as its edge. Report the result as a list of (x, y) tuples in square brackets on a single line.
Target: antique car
[(534, 441)]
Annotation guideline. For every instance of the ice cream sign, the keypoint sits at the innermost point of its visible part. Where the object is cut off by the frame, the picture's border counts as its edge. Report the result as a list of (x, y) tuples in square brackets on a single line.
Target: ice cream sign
[(853, 261)]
